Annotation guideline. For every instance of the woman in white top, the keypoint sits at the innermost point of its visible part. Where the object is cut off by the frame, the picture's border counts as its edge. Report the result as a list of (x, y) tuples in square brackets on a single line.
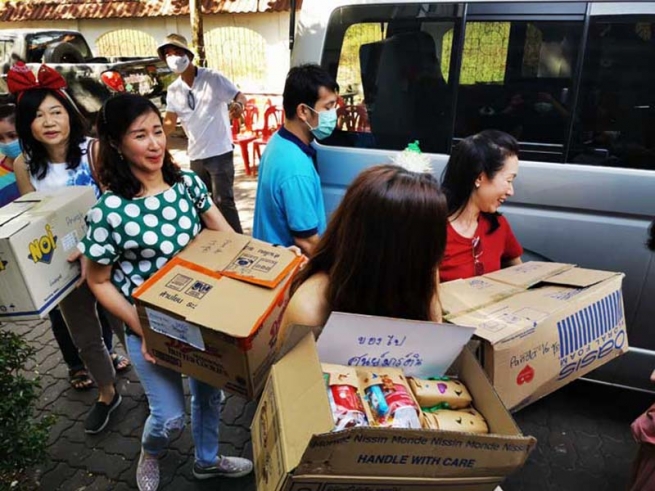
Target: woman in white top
[(57, 153)]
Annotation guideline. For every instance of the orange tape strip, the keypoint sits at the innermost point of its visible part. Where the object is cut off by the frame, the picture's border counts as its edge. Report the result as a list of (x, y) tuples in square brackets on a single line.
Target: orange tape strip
[(176, 261), (267, 283)]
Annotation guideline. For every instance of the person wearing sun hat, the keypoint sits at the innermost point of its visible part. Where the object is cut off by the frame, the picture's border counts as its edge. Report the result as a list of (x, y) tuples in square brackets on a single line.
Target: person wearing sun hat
[(199, 98)]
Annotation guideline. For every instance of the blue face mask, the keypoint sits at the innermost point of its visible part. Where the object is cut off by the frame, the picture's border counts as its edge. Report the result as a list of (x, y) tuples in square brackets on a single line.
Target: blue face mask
[(327, 121), (11, 149)]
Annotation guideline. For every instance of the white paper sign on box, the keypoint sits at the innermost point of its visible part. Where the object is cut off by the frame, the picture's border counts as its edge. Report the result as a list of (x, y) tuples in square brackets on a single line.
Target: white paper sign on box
[(421, 349)]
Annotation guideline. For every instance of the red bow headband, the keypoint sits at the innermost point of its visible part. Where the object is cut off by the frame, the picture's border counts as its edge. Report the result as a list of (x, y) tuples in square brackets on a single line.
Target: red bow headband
[(20, 78)]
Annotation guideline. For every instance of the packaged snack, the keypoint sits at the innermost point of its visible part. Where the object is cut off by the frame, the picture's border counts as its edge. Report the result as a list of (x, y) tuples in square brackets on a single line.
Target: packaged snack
[(343, 393), (389, 398), (439, 391), (467, 420)]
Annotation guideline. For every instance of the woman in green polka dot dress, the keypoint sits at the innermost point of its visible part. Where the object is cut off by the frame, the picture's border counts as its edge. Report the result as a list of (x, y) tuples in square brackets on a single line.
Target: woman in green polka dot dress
[(150, 211)]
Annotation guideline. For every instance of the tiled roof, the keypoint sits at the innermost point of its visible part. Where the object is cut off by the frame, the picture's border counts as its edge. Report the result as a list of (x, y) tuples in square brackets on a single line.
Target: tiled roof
[(25, 10)]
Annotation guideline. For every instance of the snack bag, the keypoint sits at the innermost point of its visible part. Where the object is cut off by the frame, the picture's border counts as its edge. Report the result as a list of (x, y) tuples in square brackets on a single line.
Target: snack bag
[(389, 398), (446, 392), (466, 420), (343, 393)]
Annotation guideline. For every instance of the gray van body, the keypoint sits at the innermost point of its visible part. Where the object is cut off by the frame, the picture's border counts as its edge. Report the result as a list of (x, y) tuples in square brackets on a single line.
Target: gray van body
[(596, 216)]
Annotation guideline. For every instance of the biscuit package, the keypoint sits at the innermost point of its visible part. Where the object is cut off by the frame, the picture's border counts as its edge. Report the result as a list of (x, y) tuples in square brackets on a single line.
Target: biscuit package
[(467, 420), (389, 398), (443, 392), (342, 387)]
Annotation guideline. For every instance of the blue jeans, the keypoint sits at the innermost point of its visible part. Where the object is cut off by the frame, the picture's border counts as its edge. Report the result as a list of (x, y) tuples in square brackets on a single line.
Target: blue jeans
[(163, 387)]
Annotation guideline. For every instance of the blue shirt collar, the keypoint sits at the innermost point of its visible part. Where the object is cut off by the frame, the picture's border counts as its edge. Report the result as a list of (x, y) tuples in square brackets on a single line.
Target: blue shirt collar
[(307, 149)]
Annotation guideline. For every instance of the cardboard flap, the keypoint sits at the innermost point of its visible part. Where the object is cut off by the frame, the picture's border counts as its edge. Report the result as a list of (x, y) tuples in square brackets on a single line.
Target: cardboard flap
[(516, 315), (460, 296), (303, 408), (421, 349), (262, 264), (580, 277), (214, 250), (528, 274)]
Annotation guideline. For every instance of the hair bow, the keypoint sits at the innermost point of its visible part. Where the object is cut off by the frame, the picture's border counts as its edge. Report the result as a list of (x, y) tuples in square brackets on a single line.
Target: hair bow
[(21, 78)]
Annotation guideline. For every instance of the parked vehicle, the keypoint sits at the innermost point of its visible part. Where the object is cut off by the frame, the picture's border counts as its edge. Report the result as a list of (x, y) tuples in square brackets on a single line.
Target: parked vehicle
[(90, 79), (571, 80)]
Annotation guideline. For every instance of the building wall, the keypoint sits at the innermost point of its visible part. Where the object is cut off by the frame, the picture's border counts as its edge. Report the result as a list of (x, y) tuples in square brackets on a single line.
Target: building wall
[(273, 27)]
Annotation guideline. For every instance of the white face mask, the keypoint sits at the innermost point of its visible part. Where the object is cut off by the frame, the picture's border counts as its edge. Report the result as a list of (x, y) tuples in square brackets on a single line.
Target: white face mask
[(177, 64)]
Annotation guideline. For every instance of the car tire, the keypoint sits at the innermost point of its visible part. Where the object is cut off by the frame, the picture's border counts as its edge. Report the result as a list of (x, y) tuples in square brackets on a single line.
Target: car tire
[(62, 53)]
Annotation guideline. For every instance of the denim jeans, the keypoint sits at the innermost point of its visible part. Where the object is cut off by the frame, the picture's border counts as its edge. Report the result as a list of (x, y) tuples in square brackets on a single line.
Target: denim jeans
[(218, 175), (163, 387)]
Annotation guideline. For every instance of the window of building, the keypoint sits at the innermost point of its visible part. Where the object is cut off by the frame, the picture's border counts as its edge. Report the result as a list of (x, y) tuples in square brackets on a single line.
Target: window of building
[(615, 120)]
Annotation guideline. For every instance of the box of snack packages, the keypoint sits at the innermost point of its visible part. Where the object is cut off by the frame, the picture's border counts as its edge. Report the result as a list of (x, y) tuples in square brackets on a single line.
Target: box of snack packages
[(382, 404), (213, 311), (542, 325), (38, 232)]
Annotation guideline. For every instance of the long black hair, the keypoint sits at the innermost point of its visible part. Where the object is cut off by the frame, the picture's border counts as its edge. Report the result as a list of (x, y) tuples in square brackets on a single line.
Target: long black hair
[(35, 152), (114, 119), (485, 153), (651, 239)]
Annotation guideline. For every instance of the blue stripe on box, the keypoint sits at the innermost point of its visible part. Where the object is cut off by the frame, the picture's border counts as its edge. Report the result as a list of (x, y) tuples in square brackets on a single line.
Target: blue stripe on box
[(45, 307), (589, 324)]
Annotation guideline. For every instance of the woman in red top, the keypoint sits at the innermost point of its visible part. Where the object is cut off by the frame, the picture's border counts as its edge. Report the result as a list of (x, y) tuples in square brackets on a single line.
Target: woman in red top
[(478, 179)]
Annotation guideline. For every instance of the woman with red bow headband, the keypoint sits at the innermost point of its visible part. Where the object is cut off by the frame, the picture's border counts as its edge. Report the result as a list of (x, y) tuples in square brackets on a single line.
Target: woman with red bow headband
[(57, 153)]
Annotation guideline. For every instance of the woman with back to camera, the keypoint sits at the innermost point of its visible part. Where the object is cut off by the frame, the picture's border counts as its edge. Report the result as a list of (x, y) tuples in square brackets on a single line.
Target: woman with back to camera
[(151, 211), (478, 179), (57, 154), (380, 252)]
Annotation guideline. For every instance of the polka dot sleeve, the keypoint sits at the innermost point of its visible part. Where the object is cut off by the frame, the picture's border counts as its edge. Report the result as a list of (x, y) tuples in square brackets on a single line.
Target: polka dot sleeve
[(99, 244), (197, 191)]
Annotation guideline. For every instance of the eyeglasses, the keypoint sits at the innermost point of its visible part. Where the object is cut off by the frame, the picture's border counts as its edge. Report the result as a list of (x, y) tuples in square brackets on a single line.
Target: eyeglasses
[(191, 100), (478, 267)]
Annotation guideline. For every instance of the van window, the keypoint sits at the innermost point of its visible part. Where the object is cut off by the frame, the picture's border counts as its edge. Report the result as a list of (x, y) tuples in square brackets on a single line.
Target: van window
[(393, 65), (615, 122), (518, 77)]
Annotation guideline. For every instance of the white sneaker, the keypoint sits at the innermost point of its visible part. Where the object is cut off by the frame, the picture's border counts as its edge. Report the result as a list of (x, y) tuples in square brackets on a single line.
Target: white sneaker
[(147, 472), (225, 467)]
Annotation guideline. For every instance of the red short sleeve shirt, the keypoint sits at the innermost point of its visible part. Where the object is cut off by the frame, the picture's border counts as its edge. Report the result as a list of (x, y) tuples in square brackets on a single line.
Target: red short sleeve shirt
[(495, 248)]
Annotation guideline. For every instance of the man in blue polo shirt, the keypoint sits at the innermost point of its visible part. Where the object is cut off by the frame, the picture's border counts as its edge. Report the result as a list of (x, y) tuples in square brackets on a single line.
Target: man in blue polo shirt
[(289, 208)]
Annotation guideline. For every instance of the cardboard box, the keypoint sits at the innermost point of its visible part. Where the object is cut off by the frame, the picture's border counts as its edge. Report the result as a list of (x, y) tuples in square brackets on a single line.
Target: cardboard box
[(542, 325), (213, 312), (38, 232), (295, 449)]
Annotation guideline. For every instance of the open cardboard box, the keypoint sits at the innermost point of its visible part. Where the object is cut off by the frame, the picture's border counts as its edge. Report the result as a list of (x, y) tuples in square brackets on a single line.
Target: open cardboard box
[(542, 324), (213, 312), (38, 232), (294, 446)]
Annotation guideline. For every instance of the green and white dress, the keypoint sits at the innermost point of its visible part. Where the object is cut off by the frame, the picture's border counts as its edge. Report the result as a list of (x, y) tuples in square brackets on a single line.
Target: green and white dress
[(138, 236)]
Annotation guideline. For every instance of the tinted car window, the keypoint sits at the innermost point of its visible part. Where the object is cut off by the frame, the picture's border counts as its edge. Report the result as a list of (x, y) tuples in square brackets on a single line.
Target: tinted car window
[(393, 65), (615, 121), (518, 77)]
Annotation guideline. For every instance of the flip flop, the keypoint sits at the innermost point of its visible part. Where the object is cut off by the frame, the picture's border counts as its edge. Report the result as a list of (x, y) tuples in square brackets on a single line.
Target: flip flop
[(121, 363), (80, 379)]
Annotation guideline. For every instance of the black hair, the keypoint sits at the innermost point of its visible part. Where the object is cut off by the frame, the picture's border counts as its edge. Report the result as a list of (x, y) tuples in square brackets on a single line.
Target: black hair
[(114, 119), (35, 152), (485, 153), (651, 238), (302, 85), (8, 112)]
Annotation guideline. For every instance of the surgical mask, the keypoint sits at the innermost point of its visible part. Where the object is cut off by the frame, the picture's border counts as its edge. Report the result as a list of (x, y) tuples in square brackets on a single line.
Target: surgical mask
[(177, 63), (327, 121), (11, 149)]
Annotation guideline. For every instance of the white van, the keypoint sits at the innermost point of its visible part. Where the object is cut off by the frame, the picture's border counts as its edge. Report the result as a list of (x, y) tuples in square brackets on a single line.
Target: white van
[(572, 81)]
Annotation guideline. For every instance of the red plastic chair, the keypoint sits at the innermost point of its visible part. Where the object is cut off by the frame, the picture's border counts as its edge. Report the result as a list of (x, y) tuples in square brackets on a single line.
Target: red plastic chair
[(243, 139), (353, 118), (273, 120)]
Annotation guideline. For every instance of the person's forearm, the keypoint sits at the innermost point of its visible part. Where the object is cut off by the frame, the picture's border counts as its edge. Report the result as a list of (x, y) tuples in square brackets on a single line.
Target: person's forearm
[(117, 304), (307, 245)]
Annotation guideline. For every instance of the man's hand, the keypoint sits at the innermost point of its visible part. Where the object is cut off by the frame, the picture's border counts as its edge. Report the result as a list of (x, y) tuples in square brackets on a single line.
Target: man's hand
[(144, 351), (236, 110), (76, 255)]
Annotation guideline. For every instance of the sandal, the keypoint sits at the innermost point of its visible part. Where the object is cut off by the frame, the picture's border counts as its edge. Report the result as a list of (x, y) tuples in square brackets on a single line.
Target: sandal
[(80, 379), (121, 363)]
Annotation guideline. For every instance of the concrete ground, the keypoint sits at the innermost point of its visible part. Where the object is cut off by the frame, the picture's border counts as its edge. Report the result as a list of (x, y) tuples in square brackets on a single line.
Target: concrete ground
[(583, 429)]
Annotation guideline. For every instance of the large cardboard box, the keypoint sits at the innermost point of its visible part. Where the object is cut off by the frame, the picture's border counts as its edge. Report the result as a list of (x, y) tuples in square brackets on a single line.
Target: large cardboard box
[(542, 325), (37, 234), (294, 446), (214, 311)]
